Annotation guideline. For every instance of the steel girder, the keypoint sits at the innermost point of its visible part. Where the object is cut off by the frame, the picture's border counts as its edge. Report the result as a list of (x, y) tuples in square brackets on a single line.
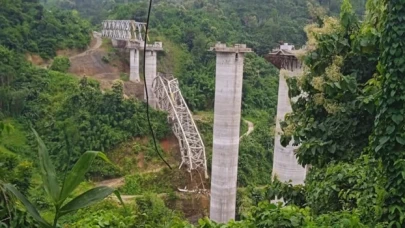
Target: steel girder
[(170, 99), (123, 30)]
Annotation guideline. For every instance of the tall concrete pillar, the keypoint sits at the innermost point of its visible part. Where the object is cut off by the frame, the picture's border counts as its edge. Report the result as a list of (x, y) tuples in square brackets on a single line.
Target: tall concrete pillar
[(227, 114), (285, 163), (134, 65), (151, 70), (150, 75)]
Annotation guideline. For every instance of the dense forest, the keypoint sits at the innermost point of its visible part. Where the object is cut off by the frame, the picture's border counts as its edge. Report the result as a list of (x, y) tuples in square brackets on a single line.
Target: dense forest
[(26, 26), (347, 118)]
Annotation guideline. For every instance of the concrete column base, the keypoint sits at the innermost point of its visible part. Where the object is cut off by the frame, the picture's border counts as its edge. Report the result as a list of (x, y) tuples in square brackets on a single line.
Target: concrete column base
[(150, 75), (134, 65)]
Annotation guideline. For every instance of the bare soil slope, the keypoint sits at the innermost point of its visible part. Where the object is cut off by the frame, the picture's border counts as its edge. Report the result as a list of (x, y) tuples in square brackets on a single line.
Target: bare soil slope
[(90, 64)]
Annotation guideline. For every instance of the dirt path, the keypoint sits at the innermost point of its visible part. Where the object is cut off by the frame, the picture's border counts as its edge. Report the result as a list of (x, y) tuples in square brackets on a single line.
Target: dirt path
[(90, 63), (97, 45), (251, 128), (118, 182), (112, 183)]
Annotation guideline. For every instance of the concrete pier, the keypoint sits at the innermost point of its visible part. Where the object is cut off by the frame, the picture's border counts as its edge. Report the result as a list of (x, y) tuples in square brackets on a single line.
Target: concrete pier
[(134, 65), (285, 163), (227, 114), (151, 70)]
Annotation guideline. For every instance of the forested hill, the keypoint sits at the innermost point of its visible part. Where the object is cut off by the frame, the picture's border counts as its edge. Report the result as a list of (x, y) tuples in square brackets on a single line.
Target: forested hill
[(261, 24), (26, 26), (193, 26)]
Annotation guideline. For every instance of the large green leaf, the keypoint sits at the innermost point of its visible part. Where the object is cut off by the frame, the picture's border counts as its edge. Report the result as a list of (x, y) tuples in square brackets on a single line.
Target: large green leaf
[(86, 199), (77, 174), (47, 170), (30, 208), (118, 195)]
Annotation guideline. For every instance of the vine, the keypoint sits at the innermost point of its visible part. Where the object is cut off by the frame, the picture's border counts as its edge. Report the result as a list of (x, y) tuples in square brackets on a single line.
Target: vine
[(388, 139)]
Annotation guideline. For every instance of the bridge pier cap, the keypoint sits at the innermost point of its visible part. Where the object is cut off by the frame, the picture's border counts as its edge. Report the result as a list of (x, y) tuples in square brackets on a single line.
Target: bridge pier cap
[(237, 48), (157, 46)]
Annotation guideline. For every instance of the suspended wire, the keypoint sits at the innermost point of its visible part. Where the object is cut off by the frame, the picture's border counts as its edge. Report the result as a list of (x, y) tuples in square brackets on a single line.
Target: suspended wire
[(146, 88)]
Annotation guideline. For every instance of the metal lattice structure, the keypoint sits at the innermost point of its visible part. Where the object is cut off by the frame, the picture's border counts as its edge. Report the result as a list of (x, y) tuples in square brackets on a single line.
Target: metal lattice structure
[(123, 30), (170, 99)]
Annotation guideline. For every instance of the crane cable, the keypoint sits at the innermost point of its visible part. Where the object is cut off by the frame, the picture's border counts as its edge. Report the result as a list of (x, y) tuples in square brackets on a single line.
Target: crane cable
[(146, 88)]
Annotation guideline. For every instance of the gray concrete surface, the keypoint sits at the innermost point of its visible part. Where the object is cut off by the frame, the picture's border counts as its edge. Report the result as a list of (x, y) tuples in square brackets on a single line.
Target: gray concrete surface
[(227, 114)]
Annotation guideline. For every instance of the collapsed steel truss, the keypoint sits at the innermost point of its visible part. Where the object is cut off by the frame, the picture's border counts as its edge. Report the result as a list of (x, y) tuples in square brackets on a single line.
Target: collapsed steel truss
[(123, 30), (170, 99)]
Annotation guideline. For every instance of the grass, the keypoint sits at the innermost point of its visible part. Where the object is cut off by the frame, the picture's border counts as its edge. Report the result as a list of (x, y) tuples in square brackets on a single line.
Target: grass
[(15, 141), (161, 182), (124, 77), (16, 135), (4, 150), (106, 43)]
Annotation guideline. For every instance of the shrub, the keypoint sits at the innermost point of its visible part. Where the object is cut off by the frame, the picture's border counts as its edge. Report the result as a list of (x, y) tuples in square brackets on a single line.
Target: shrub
[(61, 64), (15, 171), (105, 59)]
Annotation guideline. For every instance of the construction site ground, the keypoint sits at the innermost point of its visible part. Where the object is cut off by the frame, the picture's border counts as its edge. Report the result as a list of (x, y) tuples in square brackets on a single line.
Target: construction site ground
[(90, 64)]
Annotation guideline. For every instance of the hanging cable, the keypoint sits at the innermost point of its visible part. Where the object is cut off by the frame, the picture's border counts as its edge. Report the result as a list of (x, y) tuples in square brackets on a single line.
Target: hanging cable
[(146, 88)]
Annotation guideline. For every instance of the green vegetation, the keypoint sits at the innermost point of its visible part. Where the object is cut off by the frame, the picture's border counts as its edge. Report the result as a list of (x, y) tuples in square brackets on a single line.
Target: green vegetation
[(53, 102), (5, 128), (26, 26), (15, 171), (333, 6), (335, 86), (61, 64), (72, 115), (124, 77), (347, 117), (388, 138), (148, 211), (11, 214), (164, 181), (259, 103), (59, 194)]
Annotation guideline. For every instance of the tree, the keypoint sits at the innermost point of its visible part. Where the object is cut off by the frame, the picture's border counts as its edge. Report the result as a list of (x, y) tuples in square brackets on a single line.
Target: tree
[(334, 113)]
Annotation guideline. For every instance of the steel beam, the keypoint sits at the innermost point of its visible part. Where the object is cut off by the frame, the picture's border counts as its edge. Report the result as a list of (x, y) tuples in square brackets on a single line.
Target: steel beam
[(169, 98)]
